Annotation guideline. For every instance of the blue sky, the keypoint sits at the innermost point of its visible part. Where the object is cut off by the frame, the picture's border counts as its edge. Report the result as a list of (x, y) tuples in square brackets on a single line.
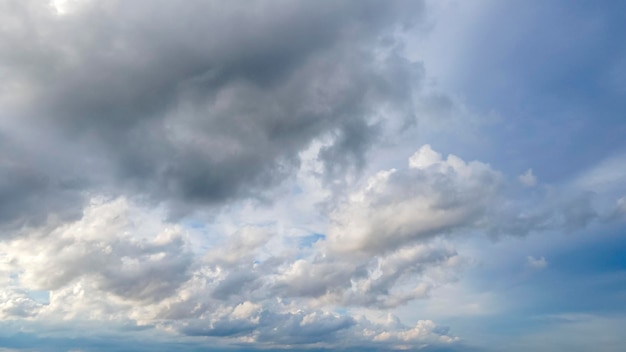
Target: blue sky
[(552, 71), (312, 176)]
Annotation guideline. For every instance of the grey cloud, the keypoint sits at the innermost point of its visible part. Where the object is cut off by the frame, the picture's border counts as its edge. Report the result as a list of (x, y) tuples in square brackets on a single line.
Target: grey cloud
[(32, 186), (303, 328), (322, 329), (221, 328), (318, 278), (555, 210), (272, 327), (398, 278), (201, 102), (347, 151), (236, 283), (619, 212)]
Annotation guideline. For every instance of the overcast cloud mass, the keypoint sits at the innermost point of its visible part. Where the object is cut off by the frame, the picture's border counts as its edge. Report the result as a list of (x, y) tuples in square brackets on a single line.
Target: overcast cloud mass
[(312, 175)]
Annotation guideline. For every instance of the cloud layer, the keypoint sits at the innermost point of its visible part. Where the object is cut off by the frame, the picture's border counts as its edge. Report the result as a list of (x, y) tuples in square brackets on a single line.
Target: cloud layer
[(128, 99), (385, 247), (219, 174)]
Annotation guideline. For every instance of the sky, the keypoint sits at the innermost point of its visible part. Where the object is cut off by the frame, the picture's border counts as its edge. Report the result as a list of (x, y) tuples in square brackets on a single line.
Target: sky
[(312, 175)]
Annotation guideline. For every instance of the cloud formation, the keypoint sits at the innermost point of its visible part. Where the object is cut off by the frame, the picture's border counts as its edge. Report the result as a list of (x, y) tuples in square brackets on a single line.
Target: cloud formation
[(432, 197), (122, 260), (204, 172), (126, 99), (537, 263)]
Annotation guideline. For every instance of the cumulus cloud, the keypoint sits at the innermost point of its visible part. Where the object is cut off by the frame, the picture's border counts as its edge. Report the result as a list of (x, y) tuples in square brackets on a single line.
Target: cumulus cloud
[(433, 196), (422, 332), (385, 247), (321, 329), (17, 304), (144, 143), (112, 245), (383, 281), (121, 262)]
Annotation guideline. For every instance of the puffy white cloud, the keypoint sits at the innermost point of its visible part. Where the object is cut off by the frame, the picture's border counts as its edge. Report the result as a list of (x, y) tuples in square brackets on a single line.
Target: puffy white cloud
[(424, 158), (231, 140), (114, 249), (258, 283), (433, 197), (423, 333), (15, 303), (121, 262)]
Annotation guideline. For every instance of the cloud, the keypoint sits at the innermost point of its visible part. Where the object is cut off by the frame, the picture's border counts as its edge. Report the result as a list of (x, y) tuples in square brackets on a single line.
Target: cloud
[(196, 114), (321, 329), (537, 263), (422, 332), (528, 179), (194, 106), (432, 197), (112, 247), (386, 246), (621, 207), (203, 171), (121, 263), (552, 209), (17, 304)]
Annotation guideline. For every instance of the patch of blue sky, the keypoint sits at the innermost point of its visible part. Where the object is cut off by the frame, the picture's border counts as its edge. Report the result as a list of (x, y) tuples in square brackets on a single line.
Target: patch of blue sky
[(309, 240), (194, 224), (296, 190), (41, 297), (341, 310), (554, 85), (501, 297), (579, 267)]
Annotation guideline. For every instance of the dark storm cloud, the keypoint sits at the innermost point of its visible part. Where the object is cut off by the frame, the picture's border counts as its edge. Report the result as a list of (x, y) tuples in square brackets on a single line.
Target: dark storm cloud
[(32, 182), (196, 102)]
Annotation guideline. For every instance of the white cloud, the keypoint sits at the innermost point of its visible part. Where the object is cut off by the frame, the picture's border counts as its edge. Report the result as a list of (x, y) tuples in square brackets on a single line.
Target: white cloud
[(528, 179), (115, 255), (121, 262), (621, 205), (536, 263), (607, 176), (239, 208), (15, 303), (422, 332), (252, 280), (433, 197), (65, 7), (424, 158)]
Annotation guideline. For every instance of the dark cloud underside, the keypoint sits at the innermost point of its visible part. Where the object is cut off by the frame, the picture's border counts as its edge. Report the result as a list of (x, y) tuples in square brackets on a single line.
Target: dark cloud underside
[(192, 103)]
